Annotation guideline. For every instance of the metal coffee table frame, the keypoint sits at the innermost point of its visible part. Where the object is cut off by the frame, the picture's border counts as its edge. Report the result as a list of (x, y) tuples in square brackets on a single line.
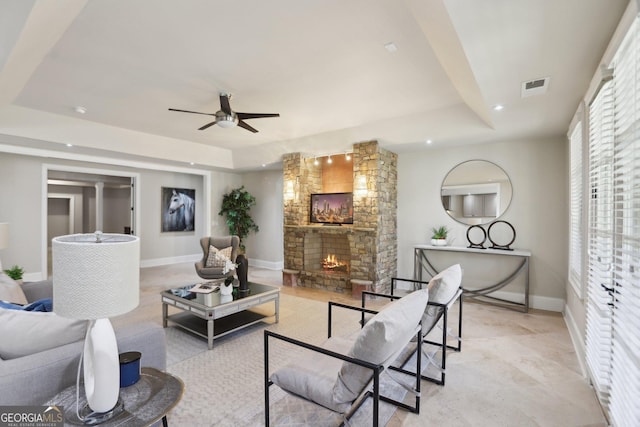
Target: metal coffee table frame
[(221, 318)]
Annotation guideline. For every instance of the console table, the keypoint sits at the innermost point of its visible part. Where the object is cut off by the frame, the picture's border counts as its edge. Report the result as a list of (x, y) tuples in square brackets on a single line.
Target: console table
[(421, 262)]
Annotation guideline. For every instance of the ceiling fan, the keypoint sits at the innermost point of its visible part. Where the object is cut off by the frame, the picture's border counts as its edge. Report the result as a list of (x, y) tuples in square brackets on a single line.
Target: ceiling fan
[(227, 118)]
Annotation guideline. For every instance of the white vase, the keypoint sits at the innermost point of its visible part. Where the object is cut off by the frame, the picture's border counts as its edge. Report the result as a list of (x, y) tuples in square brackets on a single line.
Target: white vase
[(226, 289), (439, 242)]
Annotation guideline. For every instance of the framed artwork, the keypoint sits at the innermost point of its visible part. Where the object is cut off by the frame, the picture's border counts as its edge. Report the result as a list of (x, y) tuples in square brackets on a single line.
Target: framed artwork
[(178, 209)]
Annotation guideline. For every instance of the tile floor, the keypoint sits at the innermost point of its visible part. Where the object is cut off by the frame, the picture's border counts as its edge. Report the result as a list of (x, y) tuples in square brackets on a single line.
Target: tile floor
[(515, 369)]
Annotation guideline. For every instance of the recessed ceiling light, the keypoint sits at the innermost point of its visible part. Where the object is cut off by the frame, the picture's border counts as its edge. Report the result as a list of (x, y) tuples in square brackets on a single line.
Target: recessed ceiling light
[(69, 145), (498, 107), (80, 110), (391, 47), (264, 165), (428, 141), (191, 163)]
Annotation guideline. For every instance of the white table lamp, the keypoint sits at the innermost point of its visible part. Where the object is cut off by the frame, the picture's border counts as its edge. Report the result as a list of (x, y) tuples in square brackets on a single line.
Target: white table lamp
[(97, 276), (4, 237)]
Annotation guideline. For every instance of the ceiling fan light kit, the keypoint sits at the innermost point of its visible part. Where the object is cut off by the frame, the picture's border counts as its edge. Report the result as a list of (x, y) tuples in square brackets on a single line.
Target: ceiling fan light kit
[(226, 118), (226, 121)]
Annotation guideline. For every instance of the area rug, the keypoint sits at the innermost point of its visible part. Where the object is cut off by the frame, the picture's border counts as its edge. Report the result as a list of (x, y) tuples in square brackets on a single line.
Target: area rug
[(224, 386)]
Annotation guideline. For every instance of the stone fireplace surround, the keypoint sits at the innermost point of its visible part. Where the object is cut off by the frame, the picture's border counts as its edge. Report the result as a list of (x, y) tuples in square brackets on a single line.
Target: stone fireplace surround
[(369, 245)]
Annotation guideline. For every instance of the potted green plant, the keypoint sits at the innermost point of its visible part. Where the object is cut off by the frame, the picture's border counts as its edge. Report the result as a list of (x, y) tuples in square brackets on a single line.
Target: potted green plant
[(439, 236), (15, 273), (235, 207)]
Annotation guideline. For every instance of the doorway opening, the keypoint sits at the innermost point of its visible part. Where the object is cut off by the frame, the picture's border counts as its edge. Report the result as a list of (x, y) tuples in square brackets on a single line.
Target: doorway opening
[(83, 200)]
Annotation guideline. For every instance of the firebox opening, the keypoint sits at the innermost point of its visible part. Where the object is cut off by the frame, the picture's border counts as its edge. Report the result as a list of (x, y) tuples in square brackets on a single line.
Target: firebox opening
[(327, 253), (331, 263)]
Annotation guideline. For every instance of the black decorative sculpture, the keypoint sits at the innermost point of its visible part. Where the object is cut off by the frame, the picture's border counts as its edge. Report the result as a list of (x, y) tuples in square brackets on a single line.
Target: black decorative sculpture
[(505, 247), (476, 245), (242, 271)]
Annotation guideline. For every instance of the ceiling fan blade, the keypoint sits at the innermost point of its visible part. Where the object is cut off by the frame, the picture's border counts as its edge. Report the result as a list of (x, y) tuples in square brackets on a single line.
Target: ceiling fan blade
[(224, 104), (208, 125), (245, 116), (246, 126), (194, 112)]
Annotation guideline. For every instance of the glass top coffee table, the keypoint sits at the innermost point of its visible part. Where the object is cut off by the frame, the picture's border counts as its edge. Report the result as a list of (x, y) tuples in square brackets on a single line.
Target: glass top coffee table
[(214, 315)]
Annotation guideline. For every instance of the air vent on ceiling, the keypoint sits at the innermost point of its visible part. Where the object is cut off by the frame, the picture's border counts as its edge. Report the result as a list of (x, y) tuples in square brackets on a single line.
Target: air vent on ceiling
[(535, 87)]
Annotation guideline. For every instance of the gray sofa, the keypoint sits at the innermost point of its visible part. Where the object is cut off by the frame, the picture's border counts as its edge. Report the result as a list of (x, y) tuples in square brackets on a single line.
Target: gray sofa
[(35, 378)]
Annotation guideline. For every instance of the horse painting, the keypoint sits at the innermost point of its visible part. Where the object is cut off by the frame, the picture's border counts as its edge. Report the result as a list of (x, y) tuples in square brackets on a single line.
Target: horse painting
[(179, 208)]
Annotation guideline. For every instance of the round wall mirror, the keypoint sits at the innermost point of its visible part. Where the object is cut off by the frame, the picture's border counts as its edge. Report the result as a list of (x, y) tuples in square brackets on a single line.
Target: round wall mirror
[(476, 192)]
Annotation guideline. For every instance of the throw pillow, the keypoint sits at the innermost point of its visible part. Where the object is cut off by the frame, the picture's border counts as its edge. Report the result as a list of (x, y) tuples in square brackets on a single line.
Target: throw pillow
[(218, 258), (442, 287), (380, 341), (45, 305), (27, 332), (11, 291)]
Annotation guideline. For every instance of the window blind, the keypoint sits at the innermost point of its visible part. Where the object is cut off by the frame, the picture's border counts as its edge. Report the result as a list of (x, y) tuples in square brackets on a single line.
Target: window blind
[(625, 373), (599, 323), (576, 222), (613, 237)]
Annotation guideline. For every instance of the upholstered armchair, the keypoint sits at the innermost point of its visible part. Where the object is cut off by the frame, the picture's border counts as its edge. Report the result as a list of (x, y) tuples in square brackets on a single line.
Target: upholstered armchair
[(342, 373), (215, 253)]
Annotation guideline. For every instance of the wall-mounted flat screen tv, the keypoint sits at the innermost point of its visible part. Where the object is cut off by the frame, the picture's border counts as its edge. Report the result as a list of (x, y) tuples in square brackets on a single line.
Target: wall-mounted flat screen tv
[(332, 208)]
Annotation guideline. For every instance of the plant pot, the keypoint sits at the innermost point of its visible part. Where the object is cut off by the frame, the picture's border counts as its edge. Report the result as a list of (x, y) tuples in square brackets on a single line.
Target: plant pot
[(439, 242), (226, 289)]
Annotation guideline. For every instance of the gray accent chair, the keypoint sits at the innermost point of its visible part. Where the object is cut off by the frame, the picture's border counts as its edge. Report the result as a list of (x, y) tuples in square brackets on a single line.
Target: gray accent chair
[(35, 378), (211, 273), (343, 372), (445, 289)]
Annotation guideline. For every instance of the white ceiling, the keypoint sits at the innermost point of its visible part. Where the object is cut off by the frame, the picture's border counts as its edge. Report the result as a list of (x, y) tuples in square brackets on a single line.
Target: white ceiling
[(321, 64)]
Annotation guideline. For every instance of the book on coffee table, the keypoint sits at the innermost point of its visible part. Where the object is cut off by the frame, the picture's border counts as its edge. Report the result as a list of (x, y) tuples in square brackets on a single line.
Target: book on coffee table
[(205, 288)]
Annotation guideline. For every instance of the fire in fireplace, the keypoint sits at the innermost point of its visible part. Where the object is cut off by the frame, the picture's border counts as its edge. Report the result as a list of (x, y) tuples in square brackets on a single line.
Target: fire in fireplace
[(331, 263)]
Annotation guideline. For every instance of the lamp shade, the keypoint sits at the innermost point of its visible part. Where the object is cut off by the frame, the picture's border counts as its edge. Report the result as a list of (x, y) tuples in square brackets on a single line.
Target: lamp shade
[(95, 276), (4, 235)]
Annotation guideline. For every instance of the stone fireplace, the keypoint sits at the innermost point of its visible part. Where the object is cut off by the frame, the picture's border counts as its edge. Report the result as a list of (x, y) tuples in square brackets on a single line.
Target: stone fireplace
[(342, 258)]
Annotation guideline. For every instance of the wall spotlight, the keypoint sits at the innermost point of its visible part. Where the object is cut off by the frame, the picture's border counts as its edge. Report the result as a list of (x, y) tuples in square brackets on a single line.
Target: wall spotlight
[(347, 156), (329, 160), (315, 161)]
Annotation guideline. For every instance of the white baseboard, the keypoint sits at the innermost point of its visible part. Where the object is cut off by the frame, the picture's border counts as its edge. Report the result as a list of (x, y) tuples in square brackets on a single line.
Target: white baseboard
[(547, 303), (258, 263), (535, 301), (34, 277), (170, 260), (269, 265), (577, 339)]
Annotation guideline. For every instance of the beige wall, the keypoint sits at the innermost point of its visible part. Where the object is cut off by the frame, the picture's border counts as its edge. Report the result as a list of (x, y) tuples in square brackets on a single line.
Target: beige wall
[(20, 206), (538, 210), (21, 188), (265, 248)]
